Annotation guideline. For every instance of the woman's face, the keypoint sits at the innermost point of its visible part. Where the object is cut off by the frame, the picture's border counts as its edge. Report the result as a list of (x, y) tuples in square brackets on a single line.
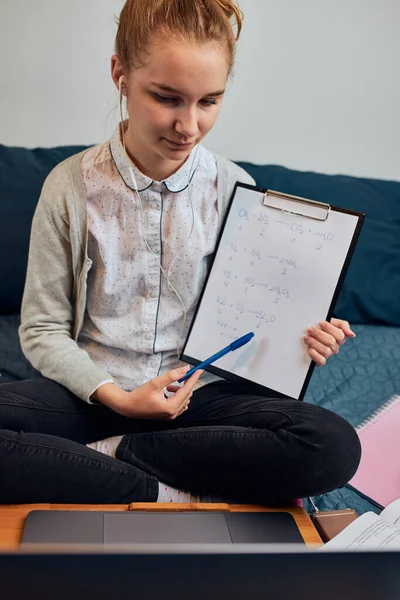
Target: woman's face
[(173, 101)]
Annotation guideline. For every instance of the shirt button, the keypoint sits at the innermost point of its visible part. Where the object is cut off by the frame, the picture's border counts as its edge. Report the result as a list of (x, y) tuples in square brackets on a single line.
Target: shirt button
[(149, 336), (155, 205)]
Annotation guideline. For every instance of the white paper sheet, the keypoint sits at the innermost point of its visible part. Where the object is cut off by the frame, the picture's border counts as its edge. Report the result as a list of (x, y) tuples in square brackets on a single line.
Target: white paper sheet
[(274, 274)]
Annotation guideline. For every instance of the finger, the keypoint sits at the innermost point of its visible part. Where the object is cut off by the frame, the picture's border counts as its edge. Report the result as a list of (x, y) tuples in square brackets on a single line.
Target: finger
[(333, 331), (336, 332), (191, 382), (185, 392), (173, 387), (325, 338), (171, 390), (322, 349), (183, 409), (175, 411), (164, 380), (319, 360), (344, 326)]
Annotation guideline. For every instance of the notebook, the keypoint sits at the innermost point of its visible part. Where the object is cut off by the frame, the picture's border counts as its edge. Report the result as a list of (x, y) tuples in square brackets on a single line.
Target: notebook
[(378, 475)]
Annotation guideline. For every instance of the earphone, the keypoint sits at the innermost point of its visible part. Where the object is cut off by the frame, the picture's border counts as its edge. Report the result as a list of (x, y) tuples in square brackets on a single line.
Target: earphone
[(167, 273)]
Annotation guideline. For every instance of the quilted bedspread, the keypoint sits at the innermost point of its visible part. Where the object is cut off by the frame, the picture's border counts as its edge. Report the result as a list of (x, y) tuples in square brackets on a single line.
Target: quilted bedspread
[(364, 375), (354, 384)]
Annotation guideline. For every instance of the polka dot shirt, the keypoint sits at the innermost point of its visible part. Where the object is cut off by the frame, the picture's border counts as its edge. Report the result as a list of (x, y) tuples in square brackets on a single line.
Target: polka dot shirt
[(133, 319)]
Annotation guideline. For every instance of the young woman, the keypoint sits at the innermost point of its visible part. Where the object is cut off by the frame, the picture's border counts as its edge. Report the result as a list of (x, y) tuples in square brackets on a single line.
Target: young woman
[(120, 247)]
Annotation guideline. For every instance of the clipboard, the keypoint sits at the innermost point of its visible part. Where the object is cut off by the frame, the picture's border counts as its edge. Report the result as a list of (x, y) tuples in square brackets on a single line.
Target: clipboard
[(278, 267)]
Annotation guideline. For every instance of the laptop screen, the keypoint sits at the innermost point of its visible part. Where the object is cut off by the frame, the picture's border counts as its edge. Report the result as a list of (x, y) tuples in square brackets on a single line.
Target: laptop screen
[(232, 574)]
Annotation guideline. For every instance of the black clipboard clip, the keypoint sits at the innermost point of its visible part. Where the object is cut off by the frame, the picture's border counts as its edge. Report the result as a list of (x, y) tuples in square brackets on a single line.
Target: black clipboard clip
[(319, 211)]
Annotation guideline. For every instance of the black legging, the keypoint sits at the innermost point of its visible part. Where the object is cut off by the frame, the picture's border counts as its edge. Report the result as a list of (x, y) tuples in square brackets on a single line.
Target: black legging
[(231, 443)]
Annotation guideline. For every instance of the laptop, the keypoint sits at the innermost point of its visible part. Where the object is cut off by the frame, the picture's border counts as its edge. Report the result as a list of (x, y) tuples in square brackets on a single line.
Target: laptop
[(216, 573), (147, 528)]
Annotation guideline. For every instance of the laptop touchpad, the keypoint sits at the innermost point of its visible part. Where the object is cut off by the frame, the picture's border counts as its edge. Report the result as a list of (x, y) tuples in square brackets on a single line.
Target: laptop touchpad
[(159, 528)]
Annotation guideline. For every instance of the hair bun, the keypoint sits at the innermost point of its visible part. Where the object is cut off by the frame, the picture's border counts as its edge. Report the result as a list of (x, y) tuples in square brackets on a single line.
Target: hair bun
[(227, 6), (231, 9)]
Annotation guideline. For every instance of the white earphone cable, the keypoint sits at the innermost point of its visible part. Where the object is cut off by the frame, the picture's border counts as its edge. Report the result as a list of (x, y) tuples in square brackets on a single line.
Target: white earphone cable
[(136, 191)]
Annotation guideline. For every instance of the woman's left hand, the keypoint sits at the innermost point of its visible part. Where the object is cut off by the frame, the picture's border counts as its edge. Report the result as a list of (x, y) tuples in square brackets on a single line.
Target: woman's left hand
[(325, 339)]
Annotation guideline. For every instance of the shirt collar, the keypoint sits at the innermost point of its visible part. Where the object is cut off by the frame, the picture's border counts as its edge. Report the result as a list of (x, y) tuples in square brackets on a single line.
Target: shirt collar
[(177, 182)]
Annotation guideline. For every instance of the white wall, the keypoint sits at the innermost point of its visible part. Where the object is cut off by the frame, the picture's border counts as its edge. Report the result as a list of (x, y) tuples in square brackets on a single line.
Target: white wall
[(54, 71), (316, 86)]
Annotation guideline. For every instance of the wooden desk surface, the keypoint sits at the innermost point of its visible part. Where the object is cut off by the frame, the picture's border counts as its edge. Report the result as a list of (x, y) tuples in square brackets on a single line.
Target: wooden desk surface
[(12, 517)]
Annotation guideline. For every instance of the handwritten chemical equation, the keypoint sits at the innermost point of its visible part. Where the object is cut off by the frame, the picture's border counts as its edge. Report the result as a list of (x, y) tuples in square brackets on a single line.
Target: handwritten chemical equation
[(249, 282), (256, 255), (235, 311), (262, 222)]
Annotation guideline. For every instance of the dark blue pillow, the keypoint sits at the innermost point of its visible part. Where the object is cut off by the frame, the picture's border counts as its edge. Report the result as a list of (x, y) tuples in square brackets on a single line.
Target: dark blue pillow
[(22, 173), (371, 290)]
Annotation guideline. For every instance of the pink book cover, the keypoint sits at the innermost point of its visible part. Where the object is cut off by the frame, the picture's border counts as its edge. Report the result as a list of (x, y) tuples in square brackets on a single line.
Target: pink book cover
[(378, 475)]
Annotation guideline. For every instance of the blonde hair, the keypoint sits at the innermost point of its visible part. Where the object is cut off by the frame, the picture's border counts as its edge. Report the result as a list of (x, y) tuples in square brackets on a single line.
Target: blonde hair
[(198, 21)]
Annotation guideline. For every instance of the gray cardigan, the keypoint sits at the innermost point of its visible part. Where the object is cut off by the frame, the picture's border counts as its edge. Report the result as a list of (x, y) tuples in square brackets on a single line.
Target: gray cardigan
[(54, 300)]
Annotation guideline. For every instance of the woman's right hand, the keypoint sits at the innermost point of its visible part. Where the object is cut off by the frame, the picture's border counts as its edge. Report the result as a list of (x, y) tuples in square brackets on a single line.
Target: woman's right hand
[(148, 400)]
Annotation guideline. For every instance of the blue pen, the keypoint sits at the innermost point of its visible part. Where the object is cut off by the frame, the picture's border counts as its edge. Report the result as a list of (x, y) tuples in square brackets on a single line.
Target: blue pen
[(234, 346)]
